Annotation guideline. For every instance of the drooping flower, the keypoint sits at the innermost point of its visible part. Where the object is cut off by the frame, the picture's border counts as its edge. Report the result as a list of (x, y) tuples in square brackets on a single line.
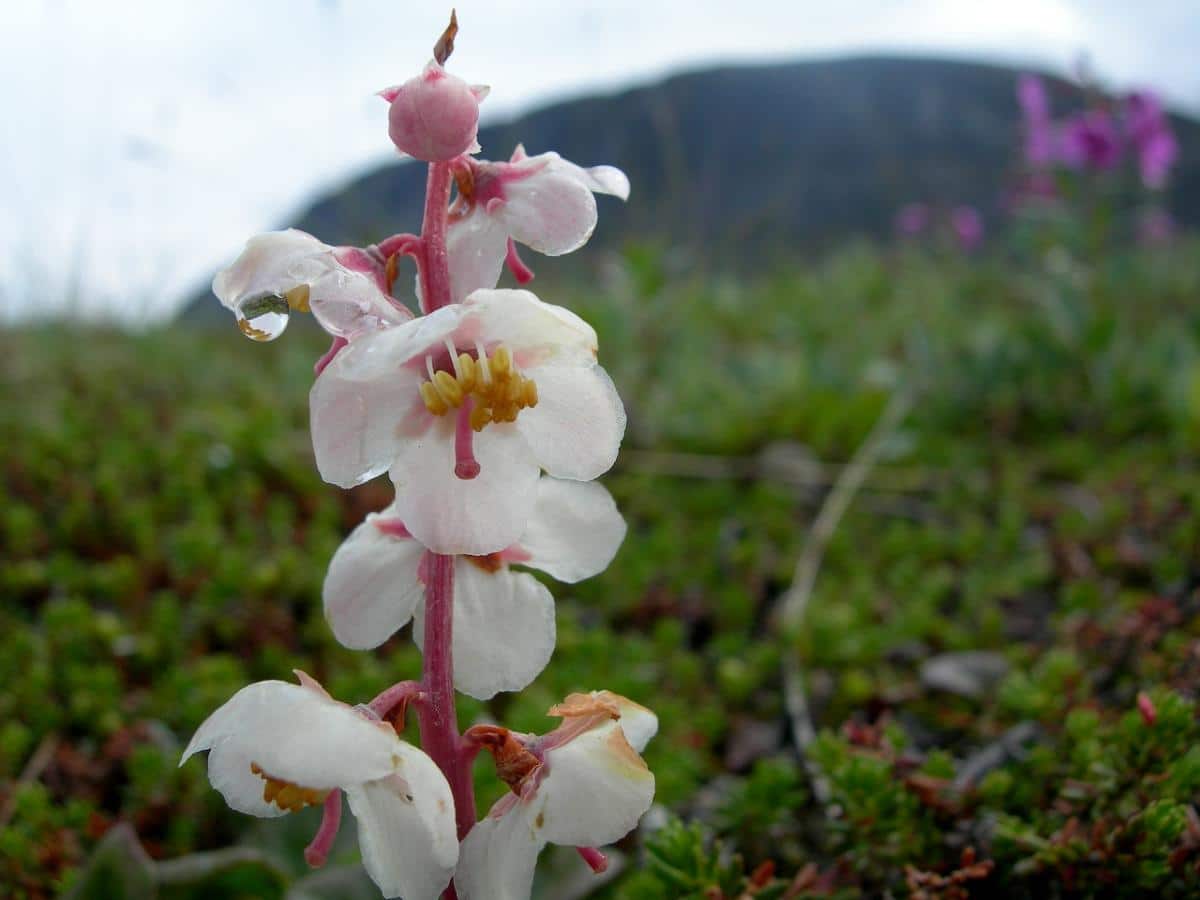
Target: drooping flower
[(1039, 129), (543, 202), (344, 287), (1089, 140), (503, 629), (434, 116), (583, 784), (1153, 139), (464, 406), (276, 747)]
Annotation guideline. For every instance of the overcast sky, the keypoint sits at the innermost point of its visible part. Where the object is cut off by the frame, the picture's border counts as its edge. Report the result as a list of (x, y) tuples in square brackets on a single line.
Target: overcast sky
[(147, 140)]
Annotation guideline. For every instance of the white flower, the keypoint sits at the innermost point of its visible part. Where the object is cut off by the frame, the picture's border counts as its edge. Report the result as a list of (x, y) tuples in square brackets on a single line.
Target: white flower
[(590, 788), (544, 202), (503, 629), (464, 406), (345, 287), (275, 747)]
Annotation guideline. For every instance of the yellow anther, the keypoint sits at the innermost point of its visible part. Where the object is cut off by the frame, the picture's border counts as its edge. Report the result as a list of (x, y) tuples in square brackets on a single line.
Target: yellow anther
[(297, 298), (448, 387), (501, 361), (500, 392), (480, 416), (433, 400), (468, 373), (285, 794)]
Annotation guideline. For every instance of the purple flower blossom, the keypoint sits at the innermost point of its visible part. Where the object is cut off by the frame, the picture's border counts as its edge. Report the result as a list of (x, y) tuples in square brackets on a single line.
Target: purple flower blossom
[(967, 226), (1039, 131), (1089, 140), (1154, 141), (912, 219)]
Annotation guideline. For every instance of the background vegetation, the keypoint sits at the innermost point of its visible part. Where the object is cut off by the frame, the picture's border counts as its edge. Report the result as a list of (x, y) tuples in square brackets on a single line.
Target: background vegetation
[(1000, 654)]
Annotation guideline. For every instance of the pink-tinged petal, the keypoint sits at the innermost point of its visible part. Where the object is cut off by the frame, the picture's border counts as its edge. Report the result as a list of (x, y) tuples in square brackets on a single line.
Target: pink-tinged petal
[(348, 304), (451, 515), (367, 401), (275, 262), (503, 629), (475, 247), (574, 530), (550, 211), (406, 829), (576, 428), (536, 332), (498, 857), (371, 588), (295, 734), (599, 179), (595, 789)]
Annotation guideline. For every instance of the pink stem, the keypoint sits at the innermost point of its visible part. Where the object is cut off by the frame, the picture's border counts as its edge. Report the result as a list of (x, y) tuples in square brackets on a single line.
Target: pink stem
[(405, 692), (594, 858), (317, 852), (466, 466), (439, 721), (516, 265), (398, 243), (434, 264)]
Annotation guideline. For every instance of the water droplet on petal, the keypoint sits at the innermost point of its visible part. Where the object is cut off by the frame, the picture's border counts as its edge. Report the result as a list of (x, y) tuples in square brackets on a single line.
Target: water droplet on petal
[(263, 317)]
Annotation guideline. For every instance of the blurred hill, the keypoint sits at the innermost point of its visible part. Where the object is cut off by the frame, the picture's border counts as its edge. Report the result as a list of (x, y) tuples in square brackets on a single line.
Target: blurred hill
[(760, 161)]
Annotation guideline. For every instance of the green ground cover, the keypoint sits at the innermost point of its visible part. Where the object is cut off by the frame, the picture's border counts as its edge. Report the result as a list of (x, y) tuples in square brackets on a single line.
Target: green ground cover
[(1020, 566)]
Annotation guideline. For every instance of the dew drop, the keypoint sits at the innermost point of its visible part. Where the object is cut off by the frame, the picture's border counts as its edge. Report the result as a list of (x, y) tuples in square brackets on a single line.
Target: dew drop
[(263, 317)]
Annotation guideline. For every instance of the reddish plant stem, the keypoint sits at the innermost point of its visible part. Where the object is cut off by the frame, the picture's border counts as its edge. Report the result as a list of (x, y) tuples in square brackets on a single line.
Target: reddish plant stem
[(437, 716), (596, 860), (401, 694), (434, 263), (317, 852)]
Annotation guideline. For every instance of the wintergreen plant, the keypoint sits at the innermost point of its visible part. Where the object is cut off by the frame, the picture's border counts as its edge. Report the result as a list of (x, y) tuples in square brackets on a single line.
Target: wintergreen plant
[(492, 417)]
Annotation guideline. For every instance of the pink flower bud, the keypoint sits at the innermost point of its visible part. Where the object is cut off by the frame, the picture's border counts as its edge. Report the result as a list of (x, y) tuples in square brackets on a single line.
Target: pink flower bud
[(434, 116)]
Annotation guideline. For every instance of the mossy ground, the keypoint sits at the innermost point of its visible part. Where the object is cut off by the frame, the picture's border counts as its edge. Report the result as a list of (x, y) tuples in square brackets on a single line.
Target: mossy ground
[(164, 537)]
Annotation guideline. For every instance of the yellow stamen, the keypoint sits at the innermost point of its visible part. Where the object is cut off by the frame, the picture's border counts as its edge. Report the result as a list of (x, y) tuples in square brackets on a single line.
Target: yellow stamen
[(500, 392), (285, 794), (297, 298), (448, 386)]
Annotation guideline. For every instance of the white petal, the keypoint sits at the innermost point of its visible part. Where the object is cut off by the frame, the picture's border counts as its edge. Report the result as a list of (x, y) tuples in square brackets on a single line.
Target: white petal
[(371, 587), (229, 772), (368, 399), (595, 790), (574, 530), (475, 246), (295, 734), (549, 210), (638, 723), (498, 858), (576, 428), (451, 515), (276, 262), (406, 829), (503, 629), (601, 179), (536, 332), (349, 304)]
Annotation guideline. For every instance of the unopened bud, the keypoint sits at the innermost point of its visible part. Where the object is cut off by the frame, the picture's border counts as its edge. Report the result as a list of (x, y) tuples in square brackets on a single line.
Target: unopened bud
[(435, 116)]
